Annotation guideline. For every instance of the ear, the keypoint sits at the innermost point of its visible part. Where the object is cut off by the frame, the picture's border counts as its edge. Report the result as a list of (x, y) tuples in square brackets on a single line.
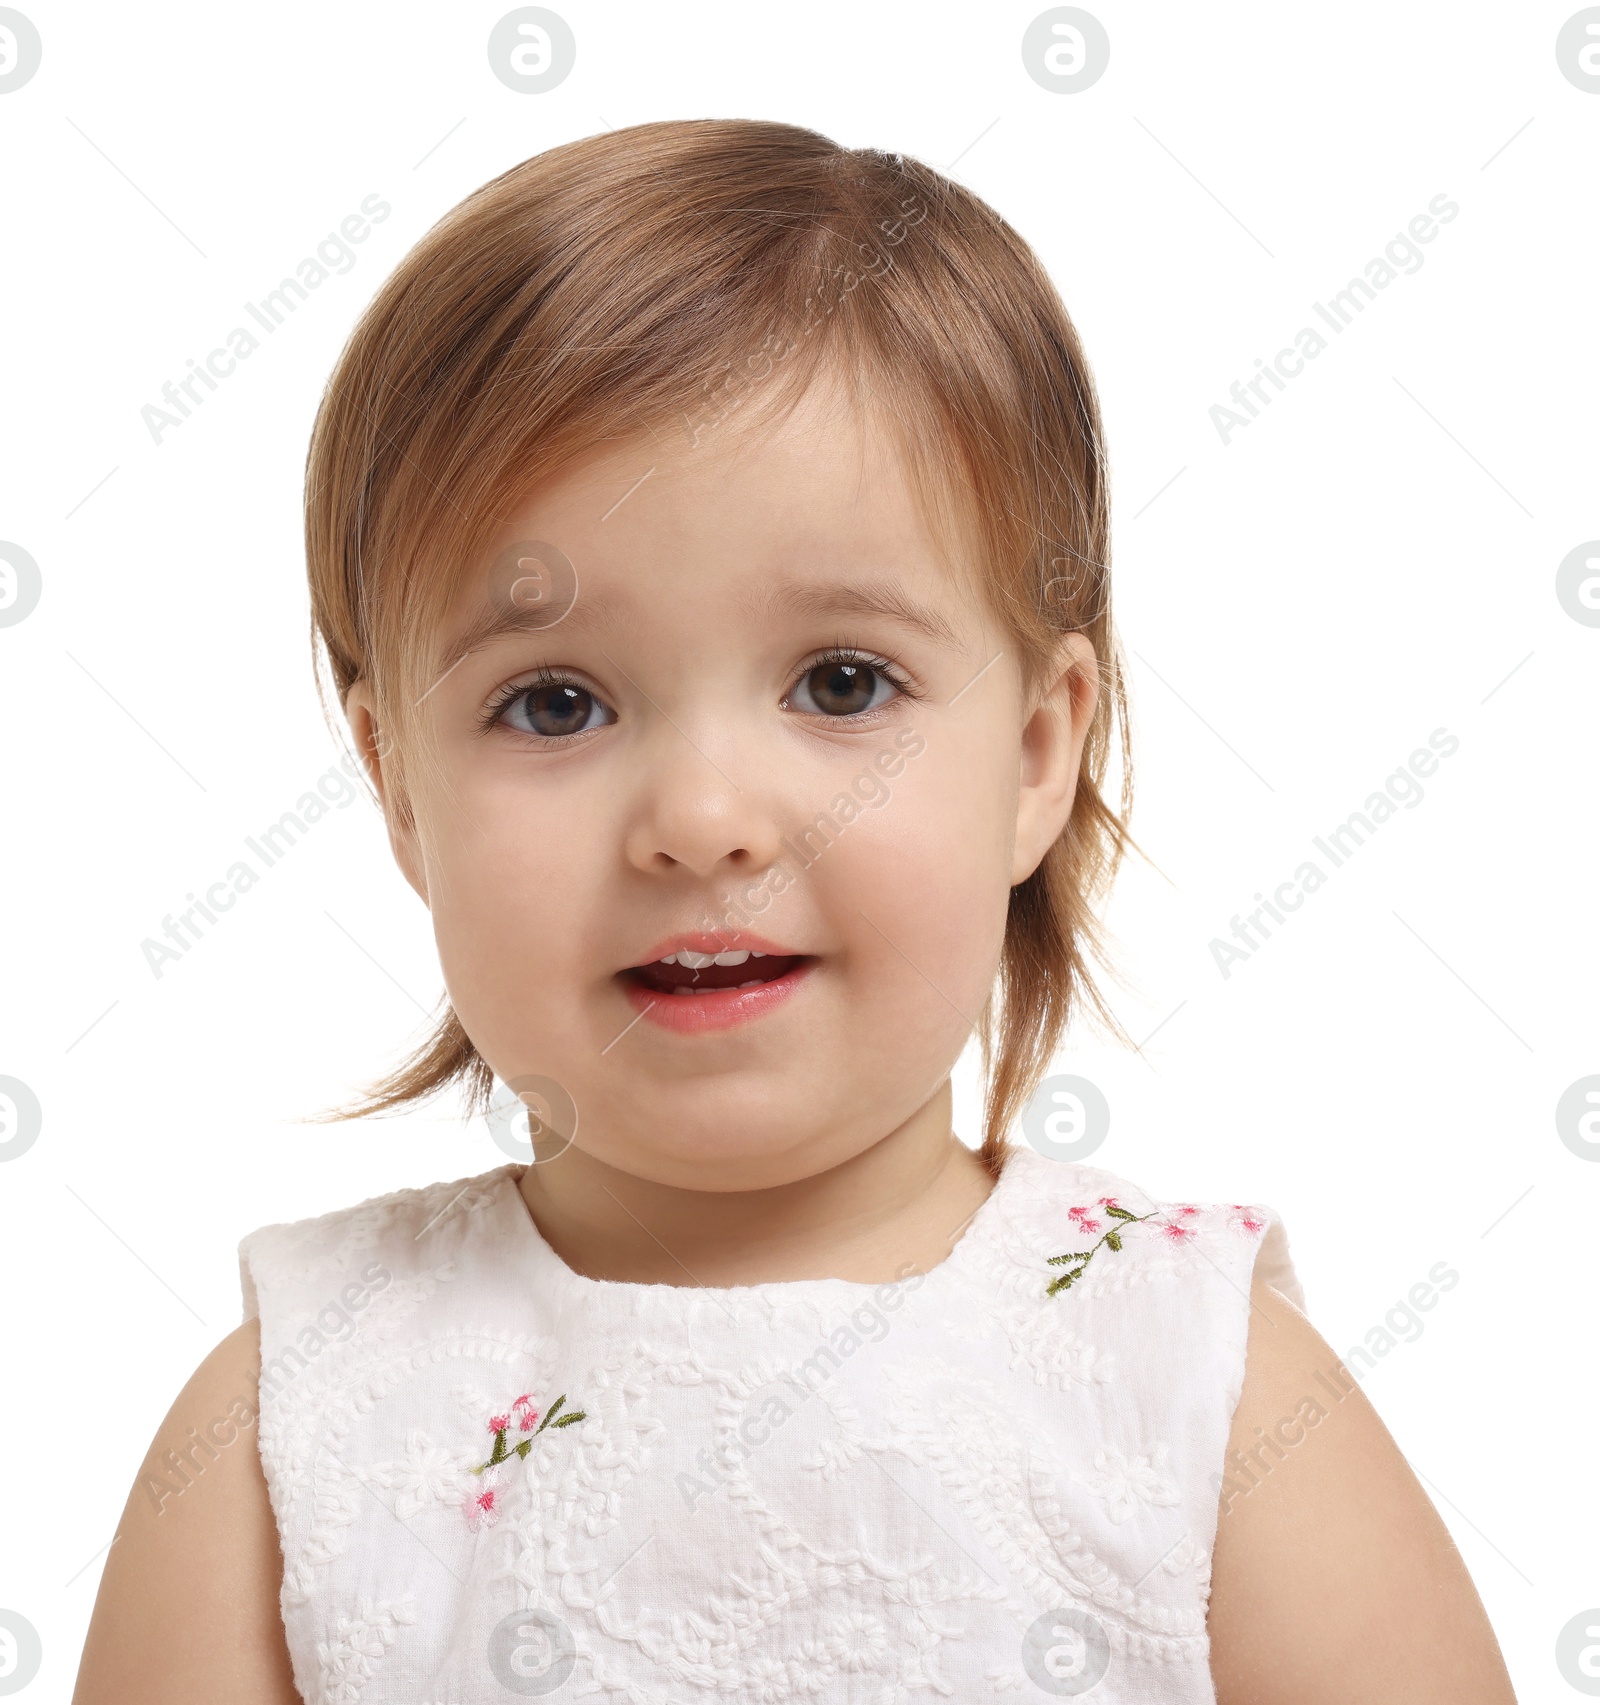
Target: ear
[(1052, 749), (373, 747)]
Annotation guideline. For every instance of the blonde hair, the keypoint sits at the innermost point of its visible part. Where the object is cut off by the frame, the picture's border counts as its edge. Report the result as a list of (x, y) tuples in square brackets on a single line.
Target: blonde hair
[(665, 276)]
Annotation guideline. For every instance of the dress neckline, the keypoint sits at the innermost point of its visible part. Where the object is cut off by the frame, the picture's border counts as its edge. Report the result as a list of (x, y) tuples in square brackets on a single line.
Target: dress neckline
[(553, 1273)]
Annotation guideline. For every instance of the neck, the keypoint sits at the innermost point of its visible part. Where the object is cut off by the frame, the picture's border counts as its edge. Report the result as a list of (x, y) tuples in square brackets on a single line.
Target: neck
[(897, 1207)]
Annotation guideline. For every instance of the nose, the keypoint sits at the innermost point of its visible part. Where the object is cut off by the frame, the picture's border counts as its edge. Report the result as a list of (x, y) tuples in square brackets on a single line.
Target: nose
[(701, 810)]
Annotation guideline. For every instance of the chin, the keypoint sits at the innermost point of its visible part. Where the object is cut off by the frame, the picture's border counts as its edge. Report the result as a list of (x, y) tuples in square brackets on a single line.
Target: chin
[(722, 1157)]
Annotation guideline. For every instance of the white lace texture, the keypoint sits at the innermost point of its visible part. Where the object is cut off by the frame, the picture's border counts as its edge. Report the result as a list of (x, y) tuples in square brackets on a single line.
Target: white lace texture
[(815, 1491)]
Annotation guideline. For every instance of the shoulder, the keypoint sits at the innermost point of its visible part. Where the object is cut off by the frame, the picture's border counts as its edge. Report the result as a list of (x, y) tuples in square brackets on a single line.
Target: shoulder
[(1333, 1576), (1101, 1233), (188, 1602), (302, 1261)]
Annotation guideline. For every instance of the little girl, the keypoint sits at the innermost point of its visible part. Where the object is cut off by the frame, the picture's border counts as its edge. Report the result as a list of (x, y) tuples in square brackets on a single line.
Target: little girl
[(707, 530)]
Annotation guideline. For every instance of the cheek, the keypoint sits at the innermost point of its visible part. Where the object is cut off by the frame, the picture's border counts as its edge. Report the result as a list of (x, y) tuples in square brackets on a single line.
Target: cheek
[(512, 879), (931, 870)]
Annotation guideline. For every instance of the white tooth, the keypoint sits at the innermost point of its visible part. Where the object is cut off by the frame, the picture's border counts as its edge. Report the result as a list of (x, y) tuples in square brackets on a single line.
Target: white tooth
[(732, 958), (683, 989), (754, 983), (671, 959), (696, 961), (755, 955)]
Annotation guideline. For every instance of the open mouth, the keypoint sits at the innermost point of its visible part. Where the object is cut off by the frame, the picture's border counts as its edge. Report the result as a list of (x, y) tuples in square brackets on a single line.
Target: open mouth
[(686, 974), (708, 987)]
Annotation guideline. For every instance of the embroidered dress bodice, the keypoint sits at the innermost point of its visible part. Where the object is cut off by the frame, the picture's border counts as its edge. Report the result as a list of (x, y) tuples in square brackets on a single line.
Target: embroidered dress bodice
[(494, 1476)]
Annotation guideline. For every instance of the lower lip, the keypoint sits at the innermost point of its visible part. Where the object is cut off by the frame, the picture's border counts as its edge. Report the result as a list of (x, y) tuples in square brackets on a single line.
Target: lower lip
[(693, 1015)]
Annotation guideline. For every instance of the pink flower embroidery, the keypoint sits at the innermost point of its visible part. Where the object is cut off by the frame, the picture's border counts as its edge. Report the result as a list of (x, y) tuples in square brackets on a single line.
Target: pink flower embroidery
[(1178, 1232), (483, 1506)]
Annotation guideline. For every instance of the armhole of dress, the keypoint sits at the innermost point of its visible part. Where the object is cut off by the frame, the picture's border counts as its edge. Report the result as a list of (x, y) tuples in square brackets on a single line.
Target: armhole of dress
[(1273, 1263), (247, 1285), (1275, 1266)]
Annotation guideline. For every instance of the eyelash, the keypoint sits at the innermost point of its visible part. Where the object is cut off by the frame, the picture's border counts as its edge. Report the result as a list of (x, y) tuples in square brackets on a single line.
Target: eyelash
[(846, 654), (508, 695), (545, 676)]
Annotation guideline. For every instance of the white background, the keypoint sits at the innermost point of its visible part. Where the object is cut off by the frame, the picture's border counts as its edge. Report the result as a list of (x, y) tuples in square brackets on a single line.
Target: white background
[(1374, 558)]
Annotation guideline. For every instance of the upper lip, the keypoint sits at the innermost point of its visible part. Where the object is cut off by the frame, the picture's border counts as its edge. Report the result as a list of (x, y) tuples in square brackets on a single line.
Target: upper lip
[(708, 941)]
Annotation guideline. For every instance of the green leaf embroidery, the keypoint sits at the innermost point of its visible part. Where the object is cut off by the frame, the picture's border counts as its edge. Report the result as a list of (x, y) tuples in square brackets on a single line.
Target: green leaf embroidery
[(1112, 1239), (503, 1453)]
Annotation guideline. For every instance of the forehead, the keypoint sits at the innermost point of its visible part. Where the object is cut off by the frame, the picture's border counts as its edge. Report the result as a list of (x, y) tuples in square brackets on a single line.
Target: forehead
[(814, 513)]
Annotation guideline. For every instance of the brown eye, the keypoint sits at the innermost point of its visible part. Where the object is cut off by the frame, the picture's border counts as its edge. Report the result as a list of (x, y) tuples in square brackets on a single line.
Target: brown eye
[(843, 687), (556, 708)]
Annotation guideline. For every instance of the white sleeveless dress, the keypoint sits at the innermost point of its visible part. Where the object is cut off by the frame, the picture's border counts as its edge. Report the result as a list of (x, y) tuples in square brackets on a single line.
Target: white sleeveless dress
[(495, 1477)]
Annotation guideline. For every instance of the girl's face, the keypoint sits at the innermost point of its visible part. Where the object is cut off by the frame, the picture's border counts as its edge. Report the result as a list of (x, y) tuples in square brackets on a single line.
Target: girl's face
[(774, 721)]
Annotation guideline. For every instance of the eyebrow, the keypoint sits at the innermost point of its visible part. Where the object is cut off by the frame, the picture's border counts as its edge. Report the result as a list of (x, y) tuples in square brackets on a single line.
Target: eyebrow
[(795, 598), (495, 621), (870, 598)]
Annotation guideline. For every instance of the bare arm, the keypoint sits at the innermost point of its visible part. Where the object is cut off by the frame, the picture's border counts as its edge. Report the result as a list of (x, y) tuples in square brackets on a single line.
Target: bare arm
[(188, 1604), (1333, 1577)]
